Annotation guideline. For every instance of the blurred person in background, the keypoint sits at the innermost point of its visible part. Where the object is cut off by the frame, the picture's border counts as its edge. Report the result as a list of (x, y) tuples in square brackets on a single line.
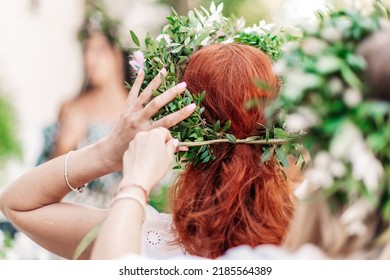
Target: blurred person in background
[(91, 114)]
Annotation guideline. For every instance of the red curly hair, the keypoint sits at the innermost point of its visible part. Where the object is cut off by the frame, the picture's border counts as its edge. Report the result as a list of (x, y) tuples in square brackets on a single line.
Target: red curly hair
[(236, 199)]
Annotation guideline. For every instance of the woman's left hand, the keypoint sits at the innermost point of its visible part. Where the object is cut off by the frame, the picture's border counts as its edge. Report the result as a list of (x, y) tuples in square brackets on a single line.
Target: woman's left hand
[(137, 116), (148, 158)]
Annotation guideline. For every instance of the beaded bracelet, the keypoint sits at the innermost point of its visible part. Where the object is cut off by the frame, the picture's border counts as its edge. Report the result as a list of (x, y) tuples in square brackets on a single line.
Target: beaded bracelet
[(78, 189)]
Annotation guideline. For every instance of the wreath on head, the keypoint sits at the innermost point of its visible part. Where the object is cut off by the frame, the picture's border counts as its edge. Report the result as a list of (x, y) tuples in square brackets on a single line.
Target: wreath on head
[(97, 20), (346, 132), (181, 37)]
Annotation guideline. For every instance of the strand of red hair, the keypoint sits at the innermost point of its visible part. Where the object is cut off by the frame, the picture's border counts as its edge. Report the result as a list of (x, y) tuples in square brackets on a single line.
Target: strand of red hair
[(236, 199)]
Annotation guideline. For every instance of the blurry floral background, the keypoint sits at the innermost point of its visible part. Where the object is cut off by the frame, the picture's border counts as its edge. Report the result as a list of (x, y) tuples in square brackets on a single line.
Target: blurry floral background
[(41, 66)]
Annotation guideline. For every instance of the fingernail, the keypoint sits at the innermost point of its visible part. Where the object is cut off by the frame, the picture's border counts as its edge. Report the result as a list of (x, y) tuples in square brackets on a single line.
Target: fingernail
[(190, 107), (163, 71), (183, 148), (175, 142), (140, 70), (182, 85)]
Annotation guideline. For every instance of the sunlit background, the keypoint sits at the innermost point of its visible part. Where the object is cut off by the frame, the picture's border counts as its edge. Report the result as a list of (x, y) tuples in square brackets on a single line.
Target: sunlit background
[(41, 58)]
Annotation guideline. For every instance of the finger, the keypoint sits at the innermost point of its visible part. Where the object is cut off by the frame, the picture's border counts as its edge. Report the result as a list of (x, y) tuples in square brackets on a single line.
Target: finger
[(172, 146), (182, 148), (163, 133), (158, 102), (147, 93), (175, 118), (136, 87)]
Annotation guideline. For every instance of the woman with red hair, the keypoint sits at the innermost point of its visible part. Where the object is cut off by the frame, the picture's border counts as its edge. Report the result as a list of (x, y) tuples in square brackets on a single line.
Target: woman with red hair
[(234, 200)]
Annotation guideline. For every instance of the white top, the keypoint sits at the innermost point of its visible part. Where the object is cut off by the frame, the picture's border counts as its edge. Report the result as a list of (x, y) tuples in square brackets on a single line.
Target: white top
[(157, 243), (157, 238)]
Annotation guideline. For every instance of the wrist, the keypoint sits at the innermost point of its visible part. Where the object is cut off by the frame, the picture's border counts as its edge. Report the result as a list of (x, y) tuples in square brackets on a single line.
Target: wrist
[(133, 188), (107, 156)]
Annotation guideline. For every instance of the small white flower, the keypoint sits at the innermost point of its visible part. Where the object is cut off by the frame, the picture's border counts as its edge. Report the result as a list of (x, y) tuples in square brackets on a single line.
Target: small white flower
[(305, 189), (266, 27), (344, 137), (327, 64), (297, 82), (293, 92), (214, 18), (205, 41), (335, 85), (240, 23), (164, 37), (365, 166), (280, 67), (311, 26), (254, 30), (309, 115), (322, 160), (296, 122), (353, 217), (289, 46), (313, 46), (228, 41), (303, 119), (331, 34), (337, 168), (262, 28), (352, 97), (319, 177), (343, 24)]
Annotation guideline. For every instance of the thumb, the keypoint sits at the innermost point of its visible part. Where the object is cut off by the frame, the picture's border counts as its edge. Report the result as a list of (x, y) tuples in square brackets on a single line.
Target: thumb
[(172, 146)]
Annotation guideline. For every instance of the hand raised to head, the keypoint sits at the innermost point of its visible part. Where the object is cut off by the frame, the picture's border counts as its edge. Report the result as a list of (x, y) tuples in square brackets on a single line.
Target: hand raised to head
[(148, 158), (136, 116)]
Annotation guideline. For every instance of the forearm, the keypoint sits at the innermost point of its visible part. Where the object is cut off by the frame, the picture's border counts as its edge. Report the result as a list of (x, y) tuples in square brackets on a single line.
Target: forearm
[(45, 184), (120, 233)]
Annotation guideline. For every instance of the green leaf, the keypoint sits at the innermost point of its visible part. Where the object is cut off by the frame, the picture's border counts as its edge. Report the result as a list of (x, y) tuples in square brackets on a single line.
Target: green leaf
[(176, 50), (207, 159), (134, 38), (267, 154), (86, 241), (226, 126), (231, 138), (281, 157), (350, 77), (280, 133), (217, 126)]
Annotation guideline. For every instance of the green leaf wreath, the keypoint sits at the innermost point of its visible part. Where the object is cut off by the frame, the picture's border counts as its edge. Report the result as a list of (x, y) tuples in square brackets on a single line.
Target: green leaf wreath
[(181, 37), (346, 132)]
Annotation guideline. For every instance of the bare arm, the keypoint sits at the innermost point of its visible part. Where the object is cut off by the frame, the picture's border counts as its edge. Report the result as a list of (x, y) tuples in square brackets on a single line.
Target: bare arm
[(33, 202), (146, 161)]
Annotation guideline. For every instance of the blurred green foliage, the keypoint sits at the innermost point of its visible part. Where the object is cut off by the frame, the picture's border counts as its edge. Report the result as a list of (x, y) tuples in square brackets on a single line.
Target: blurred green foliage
[(9, 144), (251, 10)]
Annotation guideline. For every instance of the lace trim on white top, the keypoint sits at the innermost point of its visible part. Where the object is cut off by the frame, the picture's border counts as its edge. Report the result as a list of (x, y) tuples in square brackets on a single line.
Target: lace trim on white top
[(157, 237)]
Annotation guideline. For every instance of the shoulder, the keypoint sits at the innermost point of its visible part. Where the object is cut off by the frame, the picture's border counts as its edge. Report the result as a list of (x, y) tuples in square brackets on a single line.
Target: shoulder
[(72, 107)]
